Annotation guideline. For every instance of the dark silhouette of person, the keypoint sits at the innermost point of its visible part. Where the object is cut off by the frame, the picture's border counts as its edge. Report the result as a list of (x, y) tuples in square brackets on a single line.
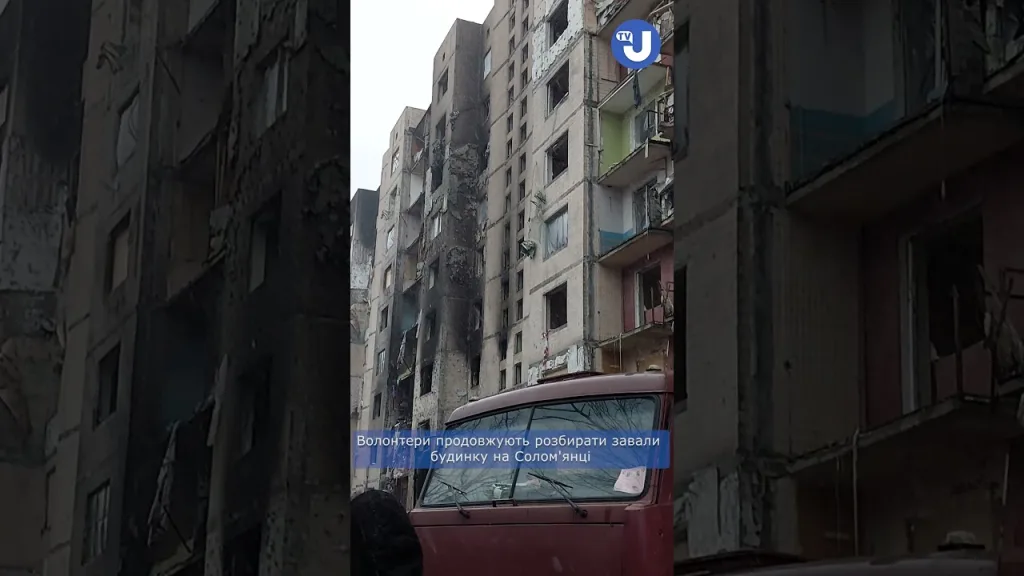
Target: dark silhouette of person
[(384, 542)]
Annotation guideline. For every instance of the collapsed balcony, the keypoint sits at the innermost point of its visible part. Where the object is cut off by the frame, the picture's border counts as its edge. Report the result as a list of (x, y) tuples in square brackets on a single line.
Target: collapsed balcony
[(647, 317), (861, 147), (635, 142), (645, 229)]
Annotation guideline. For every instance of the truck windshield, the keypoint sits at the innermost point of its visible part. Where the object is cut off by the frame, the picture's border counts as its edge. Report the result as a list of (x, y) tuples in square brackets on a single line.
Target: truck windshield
[(448, 486)]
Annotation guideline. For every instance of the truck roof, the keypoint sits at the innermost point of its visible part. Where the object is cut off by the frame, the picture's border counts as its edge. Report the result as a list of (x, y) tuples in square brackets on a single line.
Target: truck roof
[(580, 387)]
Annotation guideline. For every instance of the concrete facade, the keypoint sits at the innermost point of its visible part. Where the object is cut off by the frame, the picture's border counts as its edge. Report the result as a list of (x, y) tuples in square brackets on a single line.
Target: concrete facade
[(851, 348), (40, 131), (196, 429), (498, 276)]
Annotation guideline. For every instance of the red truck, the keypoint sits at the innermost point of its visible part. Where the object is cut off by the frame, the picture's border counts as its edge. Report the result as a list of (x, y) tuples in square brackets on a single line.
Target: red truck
[(536, 522)]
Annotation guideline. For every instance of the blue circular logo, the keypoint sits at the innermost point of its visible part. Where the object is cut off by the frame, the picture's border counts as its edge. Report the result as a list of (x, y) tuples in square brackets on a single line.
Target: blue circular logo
[(636, 44)]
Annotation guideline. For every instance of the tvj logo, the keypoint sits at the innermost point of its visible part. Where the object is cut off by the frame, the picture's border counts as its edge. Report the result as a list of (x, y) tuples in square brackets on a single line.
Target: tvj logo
[(636, 44)]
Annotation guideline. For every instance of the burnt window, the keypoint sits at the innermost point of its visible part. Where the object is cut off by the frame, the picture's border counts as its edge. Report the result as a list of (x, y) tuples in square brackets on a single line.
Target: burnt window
[(519, 280), (517, 343), (649, 286), (558, 21), (263, 244), (118, 254), (502, 380), (558, 87), (433, 272), (519, 309), (508, 203), (474, 371), (442, 84), (556, 302), (382, 361), (518, 373), (388, 277), (376, 405), (504, 290), (558, 156), (428, 325), (951, 259), (127, 131), (273, 95), (384, 317), (253, 410), (426, 379), (441, 129), (108, 376)]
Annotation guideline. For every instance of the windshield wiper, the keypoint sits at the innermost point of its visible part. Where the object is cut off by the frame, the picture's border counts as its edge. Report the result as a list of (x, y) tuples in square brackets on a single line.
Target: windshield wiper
[(462, 511), (561, 488)]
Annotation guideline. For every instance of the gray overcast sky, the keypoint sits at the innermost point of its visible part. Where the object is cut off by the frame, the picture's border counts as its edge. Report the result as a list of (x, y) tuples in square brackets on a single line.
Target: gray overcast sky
[(393, 50)]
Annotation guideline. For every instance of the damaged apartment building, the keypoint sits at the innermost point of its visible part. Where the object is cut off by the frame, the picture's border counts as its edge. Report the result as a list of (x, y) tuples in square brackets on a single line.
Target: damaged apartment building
[(196, 427), (849, 233), (40, 121), (524, 228)]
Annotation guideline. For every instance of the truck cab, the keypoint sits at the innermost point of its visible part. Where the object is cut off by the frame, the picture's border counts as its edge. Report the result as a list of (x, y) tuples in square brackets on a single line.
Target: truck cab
[(506, 522)]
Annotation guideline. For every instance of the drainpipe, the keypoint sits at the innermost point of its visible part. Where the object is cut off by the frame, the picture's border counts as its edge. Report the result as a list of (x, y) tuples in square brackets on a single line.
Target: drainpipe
[(589, 322)]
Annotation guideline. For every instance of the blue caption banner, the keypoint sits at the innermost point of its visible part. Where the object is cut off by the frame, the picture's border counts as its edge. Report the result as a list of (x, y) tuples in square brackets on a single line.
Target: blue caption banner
[(416, 449)]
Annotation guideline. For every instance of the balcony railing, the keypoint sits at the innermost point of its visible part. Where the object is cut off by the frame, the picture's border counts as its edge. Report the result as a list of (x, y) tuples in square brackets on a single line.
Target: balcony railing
[(652, 206)]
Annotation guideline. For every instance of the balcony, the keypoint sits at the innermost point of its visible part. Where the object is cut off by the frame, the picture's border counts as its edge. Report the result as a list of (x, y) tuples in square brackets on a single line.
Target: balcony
[(860, 149), (633, 142), (406, 360), (612, 13), (649, 320), (648, 227)]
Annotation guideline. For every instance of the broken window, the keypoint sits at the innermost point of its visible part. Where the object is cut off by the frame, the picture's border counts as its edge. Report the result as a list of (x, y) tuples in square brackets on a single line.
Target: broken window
[(524, 54), (556, 232), (509, 123), (522, 133), (508, 148), (273, 95), (556, 302), (558, 21), (511, 46), (391, 237), (487, 63), (522, 191), (519, 309), (424, 425), (377, 405), (508, 176), (388, 277), (646, 206), (524, 78), (394, 162), (426, 379), (511, 96), (504, 317), (951, 260), (442, 85), (480, 262), (502, 383), (97, 505), (504, 290), (558, 87), (558, 156), (118, 250), (512, 21), (254, 391), (508, 206), (474, 371), (382, 360), (476, 318), (433, 269), (519, 280), (487, 107), (517, 345), (108, 376), (522, 163), (511, 70), (519, 373), (428, 325), (384, 317), (435, 226), (263, 245), (521, 221), (645, 125), (649, 288), (526, 28), (127, 130)]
